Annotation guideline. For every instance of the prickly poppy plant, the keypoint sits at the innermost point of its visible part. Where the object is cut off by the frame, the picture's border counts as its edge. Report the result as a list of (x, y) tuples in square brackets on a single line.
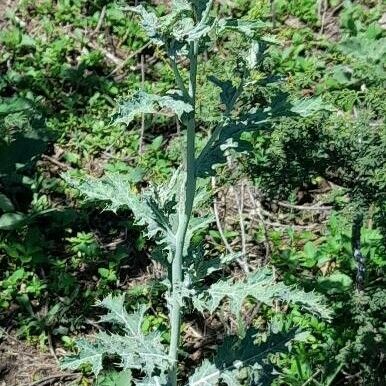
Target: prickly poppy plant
[(172, 215)]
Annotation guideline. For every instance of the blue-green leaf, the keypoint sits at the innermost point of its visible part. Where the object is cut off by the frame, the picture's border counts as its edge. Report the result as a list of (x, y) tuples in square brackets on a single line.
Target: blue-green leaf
[(205, 375), (261, 286), (307, 107), (5, 203), (245, 27), (9, 221), (136, 350), (89, 354), (144, 103)]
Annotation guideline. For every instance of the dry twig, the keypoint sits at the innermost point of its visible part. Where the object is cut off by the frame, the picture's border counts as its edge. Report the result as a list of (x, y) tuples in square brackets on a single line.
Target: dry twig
[(48, 380), (122, 63), (57, 163), (303, 207), (217, 217), (240, 209), (142, 134), (258, 210), (100, 21)]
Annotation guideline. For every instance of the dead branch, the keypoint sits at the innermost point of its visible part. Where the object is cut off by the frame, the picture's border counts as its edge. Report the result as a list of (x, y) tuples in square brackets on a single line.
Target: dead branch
[(100, 21), (303, 207)]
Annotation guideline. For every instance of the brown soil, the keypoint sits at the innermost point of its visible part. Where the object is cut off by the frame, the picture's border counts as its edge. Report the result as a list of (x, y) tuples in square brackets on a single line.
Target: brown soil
[(4, 5), (22, 364)]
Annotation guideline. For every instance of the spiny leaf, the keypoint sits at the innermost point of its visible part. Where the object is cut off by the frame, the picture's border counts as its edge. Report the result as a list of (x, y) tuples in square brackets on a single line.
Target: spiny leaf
[(196, 224), (9, 221), (5, 203), (144, 103), (206, 375), (262, 287), (199, 267), (136, 350), (117, 314), (307, 107), (228, 132), (254, 55), (114, 189), (197, 32), (228, 91), (199, 5), (155, 208), (149, 21), (250, 353), (186, 31), (115, 378), (176, 29), (88, 354), (229, 377), (246, 27), (153, 381), (227, 135)]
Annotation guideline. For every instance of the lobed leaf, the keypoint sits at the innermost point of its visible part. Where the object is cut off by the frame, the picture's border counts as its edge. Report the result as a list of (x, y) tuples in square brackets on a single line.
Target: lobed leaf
[(6, 204), (155, 208), (136, 350), (262, 287), (228, 132), (307, 107), (228, 91), (205, 375), (149, 22), (250, 353), (177, 29), (144, 103), (117, 314), (89, 354), (228, 135), (245, 27), (199, 267), (199, 6), (153, 381)]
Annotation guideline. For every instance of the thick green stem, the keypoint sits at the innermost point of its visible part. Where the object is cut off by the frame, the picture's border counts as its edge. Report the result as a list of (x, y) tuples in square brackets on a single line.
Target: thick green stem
[(184, 218)]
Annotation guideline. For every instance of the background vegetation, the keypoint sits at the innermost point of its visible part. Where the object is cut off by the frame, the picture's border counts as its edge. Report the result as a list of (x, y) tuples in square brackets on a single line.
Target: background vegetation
[(290, 199)]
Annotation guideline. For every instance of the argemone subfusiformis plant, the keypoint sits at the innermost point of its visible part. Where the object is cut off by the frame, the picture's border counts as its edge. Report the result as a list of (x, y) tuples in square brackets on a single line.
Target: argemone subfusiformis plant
[(170, 214)]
